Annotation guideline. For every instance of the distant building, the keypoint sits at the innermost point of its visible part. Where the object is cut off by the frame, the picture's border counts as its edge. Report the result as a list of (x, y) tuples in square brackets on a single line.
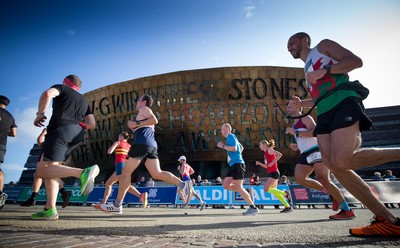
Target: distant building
[(191, 106)]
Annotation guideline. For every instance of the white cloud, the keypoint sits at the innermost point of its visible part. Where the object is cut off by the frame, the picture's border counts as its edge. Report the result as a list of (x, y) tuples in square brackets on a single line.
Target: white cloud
[(18, 147), (70, 32), (26, 131), (216, 58), (249, 10), (12, 172)]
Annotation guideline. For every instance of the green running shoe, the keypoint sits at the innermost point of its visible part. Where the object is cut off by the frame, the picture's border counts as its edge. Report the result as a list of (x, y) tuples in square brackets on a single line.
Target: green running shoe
[(87, 179), (50, 214)]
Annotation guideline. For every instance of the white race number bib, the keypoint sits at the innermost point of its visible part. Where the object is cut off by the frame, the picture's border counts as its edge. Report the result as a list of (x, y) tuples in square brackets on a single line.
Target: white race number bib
[(314, 157)]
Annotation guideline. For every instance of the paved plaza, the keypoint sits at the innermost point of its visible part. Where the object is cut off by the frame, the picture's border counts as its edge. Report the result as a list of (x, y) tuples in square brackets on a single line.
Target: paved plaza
[(83, 226)]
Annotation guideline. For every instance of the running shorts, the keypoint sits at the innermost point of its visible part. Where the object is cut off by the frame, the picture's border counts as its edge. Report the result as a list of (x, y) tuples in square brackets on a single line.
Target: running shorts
[(59, 143), (119, 167), (275, 175), (141, 152), (236, 171), (345, 114), (304, 155)]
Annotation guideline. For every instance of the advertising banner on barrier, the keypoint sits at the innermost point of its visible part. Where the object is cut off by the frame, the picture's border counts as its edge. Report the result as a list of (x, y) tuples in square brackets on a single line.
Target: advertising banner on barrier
[(13, 192), (76, 196), (387, 192), (302, 195), (156, 195), (210, 194), (218, 195)]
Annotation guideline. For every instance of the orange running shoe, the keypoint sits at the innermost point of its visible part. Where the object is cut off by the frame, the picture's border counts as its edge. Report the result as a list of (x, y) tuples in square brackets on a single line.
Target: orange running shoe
[(343, 215), (379, 227), (335, 204)]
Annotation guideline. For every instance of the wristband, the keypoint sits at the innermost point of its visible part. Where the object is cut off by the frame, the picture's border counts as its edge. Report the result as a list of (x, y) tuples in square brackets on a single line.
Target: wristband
[(39, 115), (83, 125), (138, 123)]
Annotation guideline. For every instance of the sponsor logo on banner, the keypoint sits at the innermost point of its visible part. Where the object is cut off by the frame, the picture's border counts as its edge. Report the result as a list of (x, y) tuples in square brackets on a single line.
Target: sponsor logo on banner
[(76, 196)]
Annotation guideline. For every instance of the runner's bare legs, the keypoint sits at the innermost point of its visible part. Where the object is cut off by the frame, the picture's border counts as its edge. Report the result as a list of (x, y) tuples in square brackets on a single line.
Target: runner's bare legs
[(340, 153)]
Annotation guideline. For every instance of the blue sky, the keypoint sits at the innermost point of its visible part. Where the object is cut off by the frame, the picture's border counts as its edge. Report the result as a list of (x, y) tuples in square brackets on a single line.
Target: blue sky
[(106, 42)]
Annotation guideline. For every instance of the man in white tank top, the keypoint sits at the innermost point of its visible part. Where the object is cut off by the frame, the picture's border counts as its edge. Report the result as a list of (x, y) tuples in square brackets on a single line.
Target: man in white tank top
[(310, 160)]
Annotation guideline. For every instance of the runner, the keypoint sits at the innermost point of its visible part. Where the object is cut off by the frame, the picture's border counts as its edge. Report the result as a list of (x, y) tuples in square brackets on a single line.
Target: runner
[(121, 148), (310, 160), (144, 148), (340, 118), (71, 116), (271, 158), (7, 128), (234, 179), (186, 170)]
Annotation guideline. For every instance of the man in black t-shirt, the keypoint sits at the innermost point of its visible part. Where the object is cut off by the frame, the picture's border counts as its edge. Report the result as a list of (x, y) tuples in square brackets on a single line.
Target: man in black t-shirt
[(7, 128), (71, 115)]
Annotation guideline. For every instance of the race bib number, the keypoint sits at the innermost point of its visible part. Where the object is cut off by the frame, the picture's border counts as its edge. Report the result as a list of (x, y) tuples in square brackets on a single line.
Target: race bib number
[(314, 157)]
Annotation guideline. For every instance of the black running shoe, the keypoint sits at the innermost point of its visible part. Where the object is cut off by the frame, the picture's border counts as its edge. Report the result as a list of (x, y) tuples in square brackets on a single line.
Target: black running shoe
[(287, 210), (65, 198), (28, 203)]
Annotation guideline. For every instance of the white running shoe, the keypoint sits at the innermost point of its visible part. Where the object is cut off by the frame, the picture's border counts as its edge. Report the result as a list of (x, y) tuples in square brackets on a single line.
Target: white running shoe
[(3, 199), (202, 206), (251, 211), (110, 208), (186, 189)]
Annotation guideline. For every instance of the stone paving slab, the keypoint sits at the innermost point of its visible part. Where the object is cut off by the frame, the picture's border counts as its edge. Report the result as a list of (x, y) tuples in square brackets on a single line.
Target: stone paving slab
[(168, 227)]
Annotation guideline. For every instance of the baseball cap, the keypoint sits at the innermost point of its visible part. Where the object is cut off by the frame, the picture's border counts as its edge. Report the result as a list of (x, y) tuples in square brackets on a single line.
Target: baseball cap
[(182, 158)]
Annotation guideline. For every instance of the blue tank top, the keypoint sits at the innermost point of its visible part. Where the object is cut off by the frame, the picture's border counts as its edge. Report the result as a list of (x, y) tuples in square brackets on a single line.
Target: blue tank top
[(145, 136)]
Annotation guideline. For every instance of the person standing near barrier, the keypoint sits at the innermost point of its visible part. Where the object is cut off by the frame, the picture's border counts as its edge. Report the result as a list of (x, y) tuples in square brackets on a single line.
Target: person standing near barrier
[(7, 128), (271, 157), (37, 181), (144, 148), (390, 177), (186, 170), (70, 117), (121, 148), (340, 118), (234, 179), (310, 160), (150, 183)]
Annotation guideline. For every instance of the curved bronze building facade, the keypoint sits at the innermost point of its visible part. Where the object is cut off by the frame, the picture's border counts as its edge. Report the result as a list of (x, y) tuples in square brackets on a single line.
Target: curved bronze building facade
[(191, 107)]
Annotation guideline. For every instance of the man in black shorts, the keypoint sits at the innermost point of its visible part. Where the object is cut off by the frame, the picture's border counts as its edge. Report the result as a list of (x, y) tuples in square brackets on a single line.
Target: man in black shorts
[(234, 179), (340, 118), (71, 116), (7, 128)]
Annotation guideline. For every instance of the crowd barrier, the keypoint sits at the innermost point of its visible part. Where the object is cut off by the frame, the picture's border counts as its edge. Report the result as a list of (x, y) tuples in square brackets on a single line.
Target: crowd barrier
[(387, 192)]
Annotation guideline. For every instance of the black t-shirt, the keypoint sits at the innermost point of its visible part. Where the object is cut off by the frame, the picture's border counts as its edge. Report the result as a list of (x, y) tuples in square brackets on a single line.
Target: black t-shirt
[(7, 122), (69, 108)]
